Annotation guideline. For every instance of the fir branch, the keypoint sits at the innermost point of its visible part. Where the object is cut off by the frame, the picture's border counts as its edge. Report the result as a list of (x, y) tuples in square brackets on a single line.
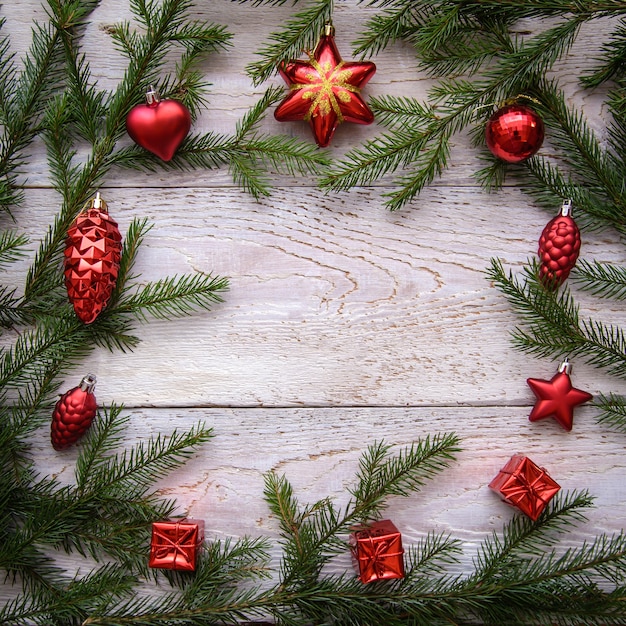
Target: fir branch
[(248, 125), (129, 474), (533, 57), (310, 535), (167, 21), (96, 590), (33, 404), (175, 296), (44, 275), (114, 332), (504, 65), (468, 51), (612, 61), (224, 565), (249, 154), (430, 164), (379, 156), (12, 246), (198, 39), (85, 101), (283, 154), (135, 235), (208, 151), (125, 38), (19, 418), (590, 166), (395, 112), (246, 175), (105, 435), (299, 35), (201, 38), (108, 511), (37, 82), (548, 185), (522, 537), (11, 310), (493, 176), (381, 475), (540, 8), (26, 94), (430, 556), (278, 494), (457, 31), (603, 280), (612, 411), (389, 26), (167, 24), (47, 347), (616, 152), (8, 72), (231, 608), (554, 327), (60, 145), (425, 144)]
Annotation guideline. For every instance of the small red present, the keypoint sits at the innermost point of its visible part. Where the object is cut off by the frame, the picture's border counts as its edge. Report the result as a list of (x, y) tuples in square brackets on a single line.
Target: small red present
[(377, 551), (525, 485), (175, 544)]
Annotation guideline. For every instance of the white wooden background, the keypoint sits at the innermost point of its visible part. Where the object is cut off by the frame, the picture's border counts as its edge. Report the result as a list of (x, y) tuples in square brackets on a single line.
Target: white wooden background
[(345, 324)]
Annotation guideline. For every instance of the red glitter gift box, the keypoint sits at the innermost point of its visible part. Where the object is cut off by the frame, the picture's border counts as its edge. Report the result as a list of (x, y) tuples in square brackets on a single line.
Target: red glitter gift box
[(525, 485), (175, 544), (377, 551)]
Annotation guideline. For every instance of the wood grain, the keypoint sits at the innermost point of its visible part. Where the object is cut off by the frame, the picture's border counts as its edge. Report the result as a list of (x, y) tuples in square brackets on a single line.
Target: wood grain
[(344, 323)]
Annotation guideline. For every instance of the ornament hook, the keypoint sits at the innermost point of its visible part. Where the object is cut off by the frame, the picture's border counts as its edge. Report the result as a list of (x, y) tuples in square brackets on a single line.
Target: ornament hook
[(152, 96), (565, 367), (566, 208), (88, 383), (97, 202)]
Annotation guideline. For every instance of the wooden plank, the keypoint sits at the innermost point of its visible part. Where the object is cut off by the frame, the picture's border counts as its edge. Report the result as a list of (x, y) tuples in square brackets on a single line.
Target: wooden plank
[(232, 93), (344, 323), (333, 300), (318, 451)]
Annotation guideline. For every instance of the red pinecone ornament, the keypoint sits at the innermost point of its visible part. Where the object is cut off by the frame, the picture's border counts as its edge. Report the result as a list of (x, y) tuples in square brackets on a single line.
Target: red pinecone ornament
[(559, 247), (73, 414), (92, 260)]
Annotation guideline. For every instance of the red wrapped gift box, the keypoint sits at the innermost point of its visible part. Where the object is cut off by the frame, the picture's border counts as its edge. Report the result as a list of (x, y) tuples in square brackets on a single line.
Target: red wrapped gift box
[(377, 551), (525, 485), (175, 544)]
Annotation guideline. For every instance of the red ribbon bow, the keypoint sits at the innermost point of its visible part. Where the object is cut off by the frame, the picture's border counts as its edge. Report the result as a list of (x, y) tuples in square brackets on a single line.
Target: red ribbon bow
[(181, 546), (378, 553), (531, 489)]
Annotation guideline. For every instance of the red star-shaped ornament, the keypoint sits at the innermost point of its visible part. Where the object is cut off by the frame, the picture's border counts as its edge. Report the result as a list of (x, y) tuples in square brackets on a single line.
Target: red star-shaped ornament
[(556, 397), (325, 90)]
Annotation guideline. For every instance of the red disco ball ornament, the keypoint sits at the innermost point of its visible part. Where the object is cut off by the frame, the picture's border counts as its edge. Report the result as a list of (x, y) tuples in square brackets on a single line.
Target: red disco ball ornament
[(514, 133)]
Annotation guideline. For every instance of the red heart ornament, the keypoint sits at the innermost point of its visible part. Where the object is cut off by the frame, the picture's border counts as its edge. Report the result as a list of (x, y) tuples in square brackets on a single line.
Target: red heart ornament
[(159, 126)]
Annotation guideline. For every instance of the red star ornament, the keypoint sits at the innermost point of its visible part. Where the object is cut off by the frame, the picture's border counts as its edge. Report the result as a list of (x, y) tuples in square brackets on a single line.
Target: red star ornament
[(556, 397), (325, 90)]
